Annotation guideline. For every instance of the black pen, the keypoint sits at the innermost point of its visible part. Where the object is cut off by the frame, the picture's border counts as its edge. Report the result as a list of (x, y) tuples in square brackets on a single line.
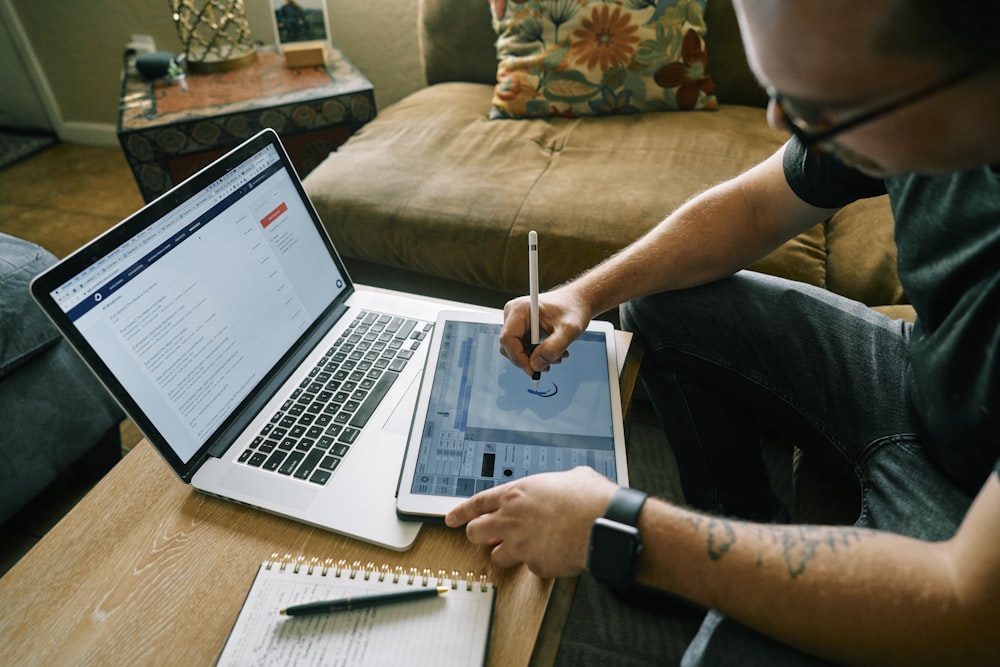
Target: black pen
[(346, 604)]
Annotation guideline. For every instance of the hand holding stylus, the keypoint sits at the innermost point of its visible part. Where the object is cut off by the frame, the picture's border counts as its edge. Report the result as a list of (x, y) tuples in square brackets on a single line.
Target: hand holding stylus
[(562, 314)]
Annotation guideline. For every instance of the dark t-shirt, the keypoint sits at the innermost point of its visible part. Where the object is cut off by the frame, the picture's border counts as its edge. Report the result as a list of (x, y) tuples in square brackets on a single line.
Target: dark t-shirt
[(947, 232)]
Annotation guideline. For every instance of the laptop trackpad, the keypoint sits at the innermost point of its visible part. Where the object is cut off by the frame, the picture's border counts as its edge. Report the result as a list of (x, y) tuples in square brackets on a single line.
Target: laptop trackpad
[(247, 486), (402, 416)]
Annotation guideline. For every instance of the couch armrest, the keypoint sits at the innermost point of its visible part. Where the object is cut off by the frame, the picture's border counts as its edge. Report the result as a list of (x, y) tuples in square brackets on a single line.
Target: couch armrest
[(457, 42), (25, 332)]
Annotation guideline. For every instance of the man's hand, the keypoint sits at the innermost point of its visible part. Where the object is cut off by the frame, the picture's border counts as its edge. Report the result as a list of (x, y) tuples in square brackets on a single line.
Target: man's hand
[(562, 314), (543, 520)]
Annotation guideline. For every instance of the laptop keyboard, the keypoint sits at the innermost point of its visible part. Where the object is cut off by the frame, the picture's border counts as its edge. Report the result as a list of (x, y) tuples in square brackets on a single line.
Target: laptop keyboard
[(319, 423)]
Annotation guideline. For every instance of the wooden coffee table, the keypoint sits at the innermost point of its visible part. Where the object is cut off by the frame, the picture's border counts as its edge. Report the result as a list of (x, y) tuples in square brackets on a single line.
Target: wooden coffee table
[(145, 570)]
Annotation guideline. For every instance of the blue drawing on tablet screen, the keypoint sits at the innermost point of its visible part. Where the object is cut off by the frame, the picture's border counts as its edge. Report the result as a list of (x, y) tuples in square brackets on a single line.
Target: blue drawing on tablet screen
[(503, 396), (543, 391)]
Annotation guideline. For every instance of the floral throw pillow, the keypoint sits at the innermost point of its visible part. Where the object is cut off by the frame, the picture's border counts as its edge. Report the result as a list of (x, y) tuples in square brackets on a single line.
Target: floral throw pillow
[(598, 57)]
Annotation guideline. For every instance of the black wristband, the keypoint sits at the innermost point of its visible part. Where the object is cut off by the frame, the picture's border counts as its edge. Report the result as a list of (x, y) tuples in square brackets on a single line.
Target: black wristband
[(615, 543), (625, 506)]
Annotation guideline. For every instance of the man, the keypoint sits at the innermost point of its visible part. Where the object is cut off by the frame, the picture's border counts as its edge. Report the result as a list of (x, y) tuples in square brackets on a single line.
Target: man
[(882, 96)]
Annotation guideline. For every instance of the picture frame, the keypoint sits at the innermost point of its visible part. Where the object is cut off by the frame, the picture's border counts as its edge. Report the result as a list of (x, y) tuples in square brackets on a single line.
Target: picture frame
[(300, 22)]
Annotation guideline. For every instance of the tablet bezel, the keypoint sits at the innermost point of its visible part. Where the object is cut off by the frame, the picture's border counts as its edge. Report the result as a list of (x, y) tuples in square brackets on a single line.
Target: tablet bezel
[(413, 506)]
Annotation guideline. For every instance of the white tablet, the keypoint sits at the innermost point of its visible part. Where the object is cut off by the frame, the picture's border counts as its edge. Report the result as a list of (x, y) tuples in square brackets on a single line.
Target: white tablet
[(480, 422)]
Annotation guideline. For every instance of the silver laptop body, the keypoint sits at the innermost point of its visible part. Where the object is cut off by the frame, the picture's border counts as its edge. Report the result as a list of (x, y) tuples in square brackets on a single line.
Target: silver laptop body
[(212, 315)]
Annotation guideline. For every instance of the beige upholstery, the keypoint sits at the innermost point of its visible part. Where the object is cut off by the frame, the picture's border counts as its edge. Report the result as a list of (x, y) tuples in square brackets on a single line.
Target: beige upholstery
[(432, 187)]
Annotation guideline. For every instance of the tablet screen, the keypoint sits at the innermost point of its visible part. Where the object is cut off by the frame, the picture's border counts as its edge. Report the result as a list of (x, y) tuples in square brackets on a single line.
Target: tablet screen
[(486, 424)]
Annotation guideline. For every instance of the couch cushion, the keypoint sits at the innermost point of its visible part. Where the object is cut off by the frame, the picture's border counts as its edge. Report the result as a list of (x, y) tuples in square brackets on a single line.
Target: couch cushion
[(433, 186), (559, 58), (24, 329), (861, 253), (802, 258), (456, 44), (457, 41)]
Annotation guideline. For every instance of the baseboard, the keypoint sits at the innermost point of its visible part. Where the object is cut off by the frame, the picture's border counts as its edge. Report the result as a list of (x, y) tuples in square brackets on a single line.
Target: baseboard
[(88, 134), (74, 132)]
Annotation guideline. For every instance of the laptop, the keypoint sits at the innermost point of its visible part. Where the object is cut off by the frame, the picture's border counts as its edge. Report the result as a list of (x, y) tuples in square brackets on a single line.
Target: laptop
[(223, 320)]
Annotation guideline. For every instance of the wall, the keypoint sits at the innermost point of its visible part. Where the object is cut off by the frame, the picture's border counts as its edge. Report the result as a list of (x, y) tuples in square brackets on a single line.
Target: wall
[(21, 104), (74, 50)]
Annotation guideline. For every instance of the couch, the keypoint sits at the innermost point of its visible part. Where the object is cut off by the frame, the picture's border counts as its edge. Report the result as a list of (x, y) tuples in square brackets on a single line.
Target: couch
[(55, 414), (434, 196), (434, 192)]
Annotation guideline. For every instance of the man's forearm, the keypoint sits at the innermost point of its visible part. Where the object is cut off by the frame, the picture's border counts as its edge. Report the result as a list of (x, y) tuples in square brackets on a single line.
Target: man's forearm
[(851, 594)]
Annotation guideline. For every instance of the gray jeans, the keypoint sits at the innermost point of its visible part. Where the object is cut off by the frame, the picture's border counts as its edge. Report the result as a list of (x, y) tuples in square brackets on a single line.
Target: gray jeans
[(753, 353)]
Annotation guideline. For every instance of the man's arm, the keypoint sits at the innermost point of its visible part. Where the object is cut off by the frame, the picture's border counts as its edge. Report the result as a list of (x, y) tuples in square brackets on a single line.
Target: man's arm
[(715, 234), (850, 594), (854, 595)]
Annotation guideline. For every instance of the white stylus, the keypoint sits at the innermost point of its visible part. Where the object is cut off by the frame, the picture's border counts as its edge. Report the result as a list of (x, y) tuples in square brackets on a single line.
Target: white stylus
[(533, 287)]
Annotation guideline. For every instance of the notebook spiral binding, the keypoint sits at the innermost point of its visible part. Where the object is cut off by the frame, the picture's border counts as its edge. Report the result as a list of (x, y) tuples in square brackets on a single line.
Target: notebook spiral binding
[(397, 574)]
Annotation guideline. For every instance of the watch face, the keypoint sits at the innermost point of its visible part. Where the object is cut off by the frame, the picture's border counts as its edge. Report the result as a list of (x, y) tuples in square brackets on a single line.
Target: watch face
[(613, 549)]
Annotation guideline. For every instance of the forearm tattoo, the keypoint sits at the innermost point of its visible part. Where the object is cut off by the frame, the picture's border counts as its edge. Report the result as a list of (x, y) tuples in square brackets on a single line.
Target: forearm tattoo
[(800, 544), (797, 545)]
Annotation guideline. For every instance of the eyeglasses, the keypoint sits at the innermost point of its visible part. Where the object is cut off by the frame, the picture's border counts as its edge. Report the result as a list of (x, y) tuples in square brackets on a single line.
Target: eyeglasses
[(808, 128)]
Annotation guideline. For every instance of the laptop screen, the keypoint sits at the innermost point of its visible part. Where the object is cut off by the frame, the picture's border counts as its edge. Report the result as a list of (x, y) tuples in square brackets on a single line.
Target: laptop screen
[(194, 311)]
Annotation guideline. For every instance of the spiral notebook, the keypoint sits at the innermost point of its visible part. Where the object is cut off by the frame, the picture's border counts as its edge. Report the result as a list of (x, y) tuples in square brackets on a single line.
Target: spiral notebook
[(451, 629)]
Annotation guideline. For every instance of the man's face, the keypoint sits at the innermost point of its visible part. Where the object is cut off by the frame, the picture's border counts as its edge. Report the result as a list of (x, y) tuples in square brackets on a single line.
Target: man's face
[(817, 55)]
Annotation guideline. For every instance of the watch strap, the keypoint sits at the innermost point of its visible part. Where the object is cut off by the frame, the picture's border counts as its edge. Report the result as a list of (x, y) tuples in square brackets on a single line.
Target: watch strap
[(625, 506)]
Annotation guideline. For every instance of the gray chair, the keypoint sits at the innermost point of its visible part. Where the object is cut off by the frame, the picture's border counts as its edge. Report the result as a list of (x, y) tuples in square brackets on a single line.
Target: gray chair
[(53, 412)]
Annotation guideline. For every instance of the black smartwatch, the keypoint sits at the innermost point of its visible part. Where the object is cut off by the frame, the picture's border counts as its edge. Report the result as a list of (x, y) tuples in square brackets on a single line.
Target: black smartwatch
[(615, 544)]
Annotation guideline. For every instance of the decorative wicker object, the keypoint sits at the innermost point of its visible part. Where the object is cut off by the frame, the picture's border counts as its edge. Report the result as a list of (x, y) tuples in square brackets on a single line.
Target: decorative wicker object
[(215, 34)]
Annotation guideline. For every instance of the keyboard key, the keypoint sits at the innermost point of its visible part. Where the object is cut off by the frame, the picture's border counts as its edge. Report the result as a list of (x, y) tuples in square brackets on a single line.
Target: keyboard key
[(378, 392), (309, 464), (320, 477), (405, 329), (275, 460), (292, 460)]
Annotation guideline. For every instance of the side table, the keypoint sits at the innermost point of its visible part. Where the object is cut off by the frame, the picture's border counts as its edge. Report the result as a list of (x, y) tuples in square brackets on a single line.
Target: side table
[(168, 133)]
